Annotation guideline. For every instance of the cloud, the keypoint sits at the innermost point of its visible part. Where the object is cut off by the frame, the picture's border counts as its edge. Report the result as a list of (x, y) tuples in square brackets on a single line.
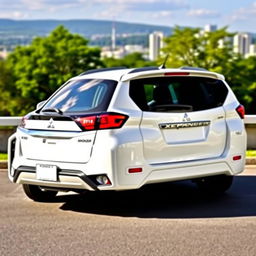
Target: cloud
[(245, 13), (145, 9), (162, 14), (204, 13), (147, 5), (50, 4), (13, 15)]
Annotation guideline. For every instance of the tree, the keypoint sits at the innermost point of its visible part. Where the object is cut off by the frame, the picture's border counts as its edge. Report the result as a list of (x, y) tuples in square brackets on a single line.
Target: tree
[(190, 47), (6, 80), (40, 68), (130, 61), (213, 51), (242, 78)]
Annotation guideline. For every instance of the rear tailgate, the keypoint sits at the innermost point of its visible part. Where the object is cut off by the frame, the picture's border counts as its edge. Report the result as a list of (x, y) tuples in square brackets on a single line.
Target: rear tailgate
[(53, 140)]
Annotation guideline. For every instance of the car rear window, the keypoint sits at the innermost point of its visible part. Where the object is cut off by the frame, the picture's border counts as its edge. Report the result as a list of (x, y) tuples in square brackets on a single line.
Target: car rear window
[(85, 95), (177, 94)]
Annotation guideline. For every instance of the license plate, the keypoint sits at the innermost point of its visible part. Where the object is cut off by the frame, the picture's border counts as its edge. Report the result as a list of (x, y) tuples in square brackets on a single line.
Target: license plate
[(46, 172)]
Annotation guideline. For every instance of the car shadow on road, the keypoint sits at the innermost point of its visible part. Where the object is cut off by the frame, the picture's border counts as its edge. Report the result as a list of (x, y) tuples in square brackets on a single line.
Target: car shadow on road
[(168, 200)]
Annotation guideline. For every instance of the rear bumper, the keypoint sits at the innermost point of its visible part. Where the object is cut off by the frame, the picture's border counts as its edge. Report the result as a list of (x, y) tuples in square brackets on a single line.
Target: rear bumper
[(114, 160), (68, 179)]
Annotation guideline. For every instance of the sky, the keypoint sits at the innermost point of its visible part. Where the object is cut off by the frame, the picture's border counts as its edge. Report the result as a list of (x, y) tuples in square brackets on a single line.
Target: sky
[(238, 15)]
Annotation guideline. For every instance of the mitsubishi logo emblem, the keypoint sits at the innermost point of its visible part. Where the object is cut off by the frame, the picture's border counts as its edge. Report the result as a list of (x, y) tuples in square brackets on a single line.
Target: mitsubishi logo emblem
[(50, 125), (186, 118)]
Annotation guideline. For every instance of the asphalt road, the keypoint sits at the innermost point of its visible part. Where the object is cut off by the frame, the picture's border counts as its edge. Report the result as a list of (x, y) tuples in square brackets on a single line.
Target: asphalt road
[(171, 219)]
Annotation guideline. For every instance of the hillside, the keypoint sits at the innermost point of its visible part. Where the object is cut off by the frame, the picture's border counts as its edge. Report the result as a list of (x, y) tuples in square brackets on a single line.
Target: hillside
[(21, 32), (84, 27)]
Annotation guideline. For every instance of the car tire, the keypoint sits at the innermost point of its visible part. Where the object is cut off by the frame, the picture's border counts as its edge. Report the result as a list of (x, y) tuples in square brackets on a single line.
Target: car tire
[(37, 194), (215, 185)]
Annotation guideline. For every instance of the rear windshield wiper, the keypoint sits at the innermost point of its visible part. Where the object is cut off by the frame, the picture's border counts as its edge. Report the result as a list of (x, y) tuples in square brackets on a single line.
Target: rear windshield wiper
[(57, 110)]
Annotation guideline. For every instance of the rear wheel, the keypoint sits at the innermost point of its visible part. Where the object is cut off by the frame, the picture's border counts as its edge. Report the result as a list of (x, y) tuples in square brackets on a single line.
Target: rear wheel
[(38, 194), (215, 184)]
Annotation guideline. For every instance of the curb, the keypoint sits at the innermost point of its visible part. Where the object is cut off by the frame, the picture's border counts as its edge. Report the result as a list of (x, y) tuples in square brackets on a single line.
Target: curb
[(249, 161), (3, 164)]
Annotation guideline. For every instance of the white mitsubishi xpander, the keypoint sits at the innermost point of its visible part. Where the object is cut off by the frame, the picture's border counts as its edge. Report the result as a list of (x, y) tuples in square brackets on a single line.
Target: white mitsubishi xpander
[(118, 129)]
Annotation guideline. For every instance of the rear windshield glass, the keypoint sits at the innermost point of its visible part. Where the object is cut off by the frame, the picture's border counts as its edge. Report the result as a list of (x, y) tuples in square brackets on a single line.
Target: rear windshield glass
[(85, 95), (177, 94)]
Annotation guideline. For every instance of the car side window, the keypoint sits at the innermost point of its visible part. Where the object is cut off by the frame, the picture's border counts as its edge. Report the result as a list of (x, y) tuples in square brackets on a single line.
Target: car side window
[(85, 95)]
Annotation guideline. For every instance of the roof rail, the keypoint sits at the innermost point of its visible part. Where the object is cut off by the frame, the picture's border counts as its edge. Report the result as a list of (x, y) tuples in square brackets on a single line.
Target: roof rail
[(143, 69), (91, 71), (193, 68)]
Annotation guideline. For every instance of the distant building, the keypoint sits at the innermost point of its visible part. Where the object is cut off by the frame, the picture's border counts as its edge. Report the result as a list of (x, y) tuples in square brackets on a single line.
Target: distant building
[(108, 52), (210, 28), (3, 54), (122, 51), (252, 50), (155, 44), (242, 42)]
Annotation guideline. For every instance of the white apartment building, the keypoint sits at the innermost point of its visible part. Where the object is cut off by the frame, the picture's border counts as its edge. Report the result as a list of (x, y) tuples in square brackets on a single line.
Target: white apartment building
[(242, 42), (210, 28), (252, 51), (155, 44)]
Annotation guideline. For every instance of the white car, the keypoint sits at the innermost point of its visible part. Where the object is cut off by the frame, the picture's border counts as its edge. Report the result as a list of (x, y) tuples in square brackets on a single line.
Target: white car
[(119, 129)]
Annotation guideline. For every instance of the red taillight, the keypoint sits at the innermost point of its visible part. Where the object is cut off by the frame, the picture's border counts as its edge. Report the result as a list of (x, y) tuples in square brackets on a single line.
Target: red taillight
[(177, 74), (108, 121), (23, 121), (241, 111), (88, 122), (102, 121)]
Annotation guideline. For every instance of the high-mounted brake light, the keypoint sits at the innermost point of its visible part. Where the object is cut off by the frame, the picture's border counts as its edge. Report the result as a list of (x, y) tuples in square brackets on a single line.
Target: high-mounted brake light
[(102, 121), (177, 74), (241, 111)]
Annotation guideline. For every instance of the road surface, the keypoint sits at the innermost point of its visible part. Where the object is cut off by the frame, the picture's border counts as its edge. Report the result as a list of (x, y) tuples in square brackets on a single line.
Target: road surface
[(171, 219)]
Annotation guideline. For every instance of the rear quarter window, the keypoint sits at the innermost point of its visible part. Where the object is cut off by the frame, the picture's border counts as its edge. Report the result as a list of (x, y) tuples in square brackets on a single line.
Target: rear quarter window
[(84, 95), (177, 94)]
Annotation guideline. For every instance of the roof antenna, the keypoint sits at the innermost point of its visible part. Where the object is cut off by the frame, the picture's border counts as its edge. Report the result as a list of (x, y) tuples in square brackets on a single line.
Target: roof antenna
[(165, 60)]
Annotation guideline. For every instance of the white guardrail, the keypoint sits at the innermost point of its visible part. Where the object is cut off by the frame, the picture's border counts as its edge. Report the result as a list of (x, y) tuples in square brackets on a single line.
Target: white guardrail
[(10, 120), (250, 124), (15, 120)]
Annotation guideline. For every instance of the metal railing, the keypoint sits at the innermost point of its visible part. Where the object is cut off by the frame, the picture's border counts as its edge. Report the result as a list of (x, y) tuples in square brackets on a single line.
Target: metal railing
[(10, 120), (250, 125)]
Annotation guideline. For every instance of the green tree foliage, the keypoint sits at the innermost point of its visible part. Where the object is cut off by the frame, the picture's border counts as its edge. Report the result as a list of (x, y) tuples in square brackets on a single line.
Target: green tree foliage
[(190, 47), (6, 79), (213, 51), (40, 68), (130, 61), (242, 78)]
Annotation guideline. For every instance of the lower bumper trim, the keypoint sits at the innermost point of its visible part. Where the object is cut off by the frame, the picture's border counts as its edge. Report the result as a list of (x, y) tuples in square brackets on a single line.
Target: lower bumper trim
[(61, 172)]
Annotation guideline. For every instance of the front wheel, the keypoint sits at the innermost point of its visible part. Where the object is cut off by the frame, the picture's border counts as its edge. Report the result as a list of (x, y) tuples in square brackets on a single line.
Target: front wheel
[(38, 194), (215, 184)]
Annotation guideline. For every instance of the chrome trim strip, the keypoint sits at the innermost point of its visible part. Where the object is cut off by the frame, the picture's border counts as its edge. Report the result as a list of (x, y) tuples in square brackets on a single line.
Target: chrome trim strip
[(50, 134)]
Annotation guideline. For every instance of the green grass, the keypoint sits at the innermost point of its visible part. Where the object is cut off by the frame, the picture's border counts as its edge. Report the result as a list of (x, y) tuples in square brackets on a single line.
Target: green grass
[(251, 153), (3, 156)]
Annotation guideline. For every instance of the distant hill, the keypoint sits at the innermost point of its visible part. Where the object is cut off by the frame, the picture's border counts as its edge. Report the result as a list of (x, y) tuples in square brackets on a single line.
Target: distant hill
[(84, 27), (21, 32)]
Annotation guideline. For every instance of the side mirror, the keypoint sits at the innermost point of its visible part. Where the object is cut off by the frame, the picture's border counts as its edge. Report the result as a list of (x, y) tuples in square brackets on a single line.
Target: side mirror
[(40, 104)]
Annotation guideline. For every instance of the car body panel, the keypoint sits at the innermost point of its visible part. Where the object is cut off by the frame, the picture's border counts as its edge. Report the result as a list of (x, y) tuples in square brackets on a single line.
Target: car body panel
[(164, 146)]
